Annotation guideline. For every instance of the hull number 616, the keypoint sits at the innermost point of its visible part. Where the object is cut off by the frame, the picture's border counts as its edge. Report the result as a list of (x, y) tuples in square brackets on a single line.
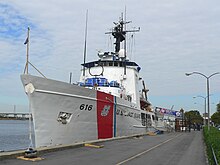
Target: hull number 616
[(86, 107)]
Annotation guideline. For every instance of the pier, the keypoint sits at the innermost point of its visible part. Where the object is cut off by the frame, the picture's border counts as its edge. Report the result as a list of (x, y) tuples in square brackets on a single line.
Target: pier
[(177, 148), (20, 115)]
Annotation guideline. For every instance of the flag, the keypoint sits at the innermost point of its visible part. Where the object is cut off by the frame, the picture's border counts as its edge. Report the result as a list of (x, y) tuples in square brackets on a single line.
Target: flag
[(26, 41)]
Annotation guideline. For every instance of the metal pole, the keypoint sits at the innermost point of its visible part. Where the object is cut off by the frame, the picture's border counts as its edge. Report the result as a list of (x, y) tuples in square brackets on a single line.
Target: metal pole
[(204, 120), (208, 103), (205, 113), (182, 120), (85, 44), (70, 77), (28, 40), (189, 123), (207, 78)]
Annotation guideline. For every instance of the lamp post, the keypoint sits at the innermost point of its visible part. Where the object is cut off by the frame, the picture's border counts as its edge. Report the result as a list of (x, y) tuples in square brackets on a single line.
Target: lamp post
[(207, 86), (182, 113), (204, 121)]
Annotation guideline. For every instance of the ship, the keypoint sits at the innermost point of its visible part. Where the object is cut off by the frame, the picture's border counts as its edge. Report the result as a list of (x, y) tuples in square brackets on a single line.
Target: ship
[(106, 102)]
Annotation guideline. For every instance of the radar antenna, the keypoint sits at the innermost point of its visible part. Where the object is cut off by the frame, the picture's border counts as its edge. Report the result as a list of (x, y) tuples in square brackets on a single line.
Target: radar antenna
[(119, 32)]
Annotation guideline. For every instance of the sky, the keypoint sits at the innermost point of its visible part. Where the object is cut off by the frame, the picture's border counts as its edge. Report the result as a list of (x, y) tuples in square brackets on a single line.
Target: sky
[(175, 37)]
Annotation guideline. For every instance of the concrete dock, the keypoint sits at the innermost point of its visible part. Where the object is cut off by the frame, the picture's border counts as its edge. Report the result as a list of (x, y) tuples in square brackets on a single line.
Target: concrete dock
[(178, 148)]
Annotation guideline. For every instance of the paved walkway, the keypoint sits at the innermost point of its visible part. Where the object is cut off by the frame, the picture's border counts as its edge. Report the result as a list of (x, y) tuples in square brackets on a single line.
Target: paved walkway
[(179, 148)]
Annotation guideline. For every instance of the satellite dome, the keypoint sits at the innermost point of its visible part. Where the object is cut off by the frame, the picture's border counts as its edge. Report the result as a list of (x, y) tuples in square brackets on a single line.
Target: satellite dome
[(121, 53)]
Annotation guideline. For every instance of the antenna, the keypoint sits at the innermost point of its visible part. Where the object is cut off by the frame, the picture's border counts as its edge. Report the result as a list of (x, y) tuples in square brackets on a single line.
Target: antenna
[(125, 53), (84, 55), (119, 33)]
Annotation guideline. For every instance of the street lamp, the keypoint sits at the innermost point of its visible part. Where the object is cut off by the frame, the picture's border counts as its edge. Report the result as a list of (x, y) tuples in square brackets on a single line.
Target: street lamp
[(207, 82), (204, 122)]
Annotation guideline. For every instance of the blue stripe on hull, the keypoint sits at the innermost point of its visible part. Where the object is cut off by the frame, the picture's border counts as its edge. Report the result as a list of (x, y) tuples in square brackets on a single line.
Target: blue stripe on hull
[(114, 124)]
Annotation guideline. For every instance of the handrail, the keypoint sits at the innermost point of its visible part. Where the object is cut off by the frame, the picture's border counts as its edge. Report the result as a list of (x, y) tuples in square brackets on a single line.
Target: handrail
[(214, 156)]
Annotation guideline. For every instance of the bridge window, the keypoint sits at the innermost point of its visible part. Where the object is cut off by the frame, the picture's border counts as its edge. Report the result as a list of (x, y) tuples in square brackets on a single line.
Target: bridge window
[(115, 63), (97, 81), (129, 98), (153, 117), (143, 119), (114, 84), (103, 64)]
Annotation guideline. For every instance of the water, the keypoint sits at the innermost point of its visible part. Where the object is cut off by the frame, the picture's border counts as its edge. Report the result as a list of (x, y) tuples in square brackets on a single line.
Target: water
[(14, 135)]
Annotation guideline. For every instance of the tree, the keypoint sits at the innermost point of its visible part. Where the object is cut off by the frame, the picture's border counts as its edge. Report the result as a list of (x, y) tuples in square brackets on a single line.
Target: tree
[(194, 116), (218, 107), (216, 118)]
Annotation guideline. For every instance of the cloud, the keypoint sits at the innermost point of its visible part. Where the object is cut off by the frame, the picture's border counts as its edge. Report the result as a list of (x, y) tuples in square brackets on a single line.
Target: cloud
[(175, 37), (11, 22)]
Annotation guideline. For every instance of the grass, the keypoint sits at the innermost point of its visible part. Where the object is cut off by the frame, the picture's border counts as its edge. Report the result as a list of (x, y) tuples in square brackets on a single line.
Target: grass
[(212, 138)]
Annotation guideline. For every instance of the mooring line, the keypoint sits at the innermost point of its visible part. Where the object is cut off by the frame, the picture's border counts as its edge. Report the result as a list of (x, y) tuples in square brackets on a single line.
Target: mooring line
[(148, 150)]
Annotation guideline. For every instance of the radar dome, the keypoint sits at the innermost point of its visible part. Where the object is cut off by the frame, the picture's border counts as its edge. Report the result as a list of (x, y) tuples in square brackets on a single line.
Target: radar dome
[(121, 53)]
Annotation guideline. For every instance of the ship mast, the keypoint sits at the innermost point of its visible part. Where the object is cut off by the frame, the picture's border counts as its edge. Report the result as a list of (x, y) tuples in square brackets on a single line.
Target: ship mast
[(27, 51), (119, 33)]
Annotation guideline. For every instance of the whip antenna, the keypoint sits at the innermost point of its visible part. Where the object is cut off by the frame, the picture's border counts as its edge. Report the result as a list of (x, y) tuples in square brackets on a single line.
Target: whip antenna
[(84, 55), (125, 45)]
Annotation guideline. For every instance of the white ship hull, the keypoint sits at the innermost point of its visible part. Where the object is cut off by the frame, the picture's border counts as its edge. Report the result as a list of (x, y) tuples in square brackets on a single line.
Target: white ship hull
[(64, 113)]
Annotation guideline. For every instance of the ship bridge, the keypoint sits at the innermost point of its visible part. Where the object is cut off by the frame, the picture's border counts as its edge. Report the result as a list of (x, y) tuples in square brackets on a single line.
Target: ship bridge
[(113, 72), (110, 63)]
